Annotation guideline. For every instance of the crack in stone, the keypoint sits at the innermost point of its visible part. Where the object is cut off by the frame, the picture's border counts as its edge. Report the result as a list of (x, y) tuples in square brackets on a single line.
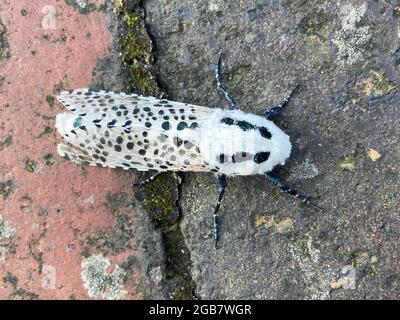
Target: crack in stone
[(179, 284)]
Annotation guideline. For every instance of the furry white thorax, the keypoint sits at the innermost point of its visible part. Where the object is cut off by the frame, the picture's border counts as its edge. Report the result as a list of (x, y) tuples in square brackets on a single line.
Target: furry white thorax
[(215, 138)]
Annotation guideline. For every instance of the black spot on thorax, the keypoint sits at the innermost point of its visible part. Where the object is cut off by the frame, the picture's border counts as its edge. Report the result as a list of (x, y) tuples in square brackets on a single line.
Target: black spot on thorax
[(261, 157), (245, 126), (265, 133)]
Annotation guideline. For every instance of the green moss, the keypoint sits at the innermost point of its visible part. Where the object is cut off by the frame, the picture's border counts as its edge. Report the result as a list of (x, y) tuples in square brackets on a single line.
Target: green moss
[(158, 197), (132, 20), (136, 52), (159, 200), (2, 78)]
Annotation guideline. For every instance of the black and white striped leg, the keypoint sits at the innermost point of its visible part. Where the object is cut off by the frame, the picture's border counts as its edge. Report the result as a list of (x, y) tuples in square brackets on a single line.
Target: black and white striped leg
[(146, 181), (222, 184), (273, 112), (293, 192), (220, 87)]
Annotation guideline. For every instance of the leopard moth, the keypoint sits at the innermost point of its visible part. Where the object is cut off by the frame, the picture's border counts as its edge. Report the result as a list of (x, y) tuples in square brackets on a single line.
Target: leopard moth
[(130, 131)]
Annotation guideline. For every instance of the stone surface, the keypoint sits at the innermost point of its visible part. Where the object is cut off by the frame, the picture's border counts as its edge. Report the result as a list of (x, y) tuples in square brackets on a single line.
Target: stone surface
[(72, 232), (343, 55)]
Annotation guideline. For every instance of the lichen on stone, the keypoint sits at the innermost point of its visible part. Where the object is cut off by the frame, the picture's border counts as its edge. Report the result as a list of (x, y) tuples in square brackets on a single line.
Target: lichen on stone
[(314, 23), (4, 46), (283, 225), (116, 239), (7, 232), (6, 142), (347, 163), (307, 257), (352, 38), (304, 170), (83, 6), (373, 154), (31, 165), (98, 282), (7, 188), (347, 279), (50, 159), (377, 84)]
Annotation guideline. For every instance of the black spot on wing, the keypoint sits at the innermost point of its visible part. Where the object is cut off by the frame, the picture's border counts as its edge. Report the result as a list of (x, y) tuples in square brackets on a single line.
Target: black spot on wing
[(182, 125), (166, 125), (111, 123)]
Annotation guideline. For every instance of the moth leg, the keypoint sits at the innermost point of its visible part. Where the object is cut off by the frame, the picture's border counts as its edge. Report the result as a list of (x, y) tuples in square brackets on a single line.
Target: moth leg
[(293, 192), (273, 112), (146, 181), (220, 87), (221, 190)]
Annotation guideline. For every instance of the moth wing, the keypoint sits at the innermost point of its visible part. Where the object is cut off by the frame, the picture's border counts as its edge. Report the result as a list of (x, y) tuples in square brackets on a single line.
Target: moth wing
[(132, 111), (94, 144)]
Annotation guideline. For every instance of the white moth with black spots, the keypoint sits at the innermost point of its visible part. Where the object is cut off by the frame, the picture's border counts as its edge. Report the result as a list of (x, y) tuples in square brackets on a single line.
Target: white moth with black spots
[(130, 131)]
